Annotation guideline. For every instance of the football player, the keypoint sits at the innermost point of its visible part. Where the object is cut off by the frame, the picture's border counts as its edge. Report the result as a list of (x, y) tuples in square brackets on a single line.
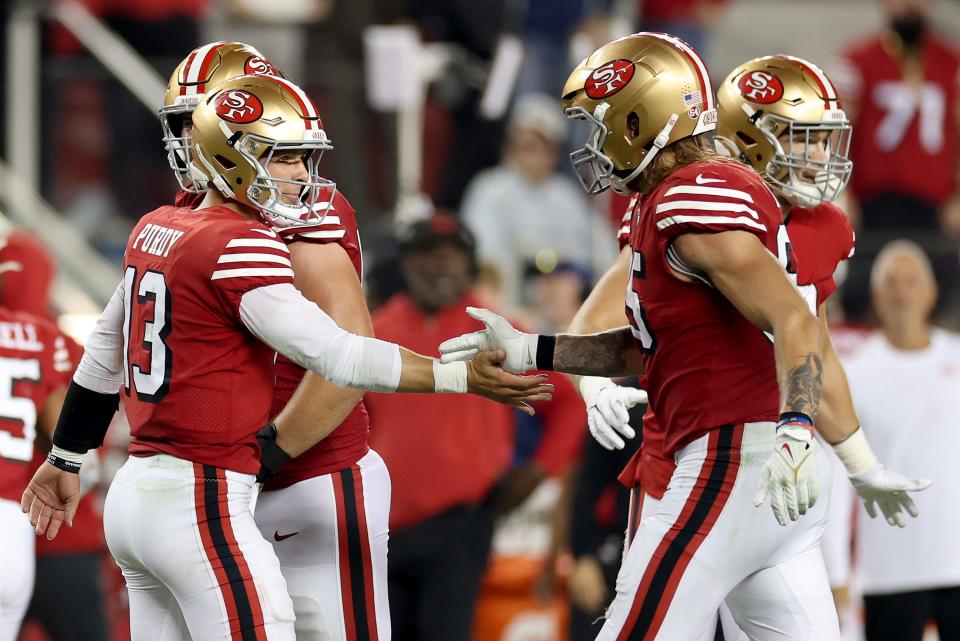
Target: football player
[(188, 340), (707, 287), (34, 363)]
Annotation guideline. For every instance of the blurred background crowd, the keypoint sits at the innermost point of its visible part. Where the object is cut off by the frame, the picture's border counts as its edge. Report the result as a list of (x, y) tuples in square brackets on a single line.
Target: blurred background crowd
[(449, 142)]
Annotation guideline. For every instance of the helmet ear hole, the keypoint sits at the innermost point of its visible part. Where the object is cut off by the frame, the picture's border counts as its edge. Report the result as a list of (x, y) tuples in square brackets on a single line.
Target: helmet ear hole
[(633, 126), (747, 140), (225, 162)]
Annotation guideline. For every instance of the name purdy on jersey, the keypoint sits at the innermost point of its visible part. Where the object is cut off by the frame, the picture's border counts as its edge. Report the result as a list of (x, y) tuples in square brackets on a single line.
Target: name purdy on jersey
[(196, 383)]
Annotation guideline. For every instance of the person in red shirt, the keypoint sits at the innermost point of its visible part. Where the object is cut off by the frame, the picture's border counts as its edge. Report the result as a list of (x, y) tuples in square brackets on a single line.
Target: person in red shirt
[(450, 463), (900, 89)]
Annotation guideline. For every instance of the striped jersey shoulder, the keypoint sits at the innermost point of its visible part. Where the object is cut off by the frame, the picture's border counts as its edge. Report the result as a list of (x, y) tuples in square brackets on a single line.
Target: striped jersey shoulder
[(714, 197), (337, 225), (252, 252)]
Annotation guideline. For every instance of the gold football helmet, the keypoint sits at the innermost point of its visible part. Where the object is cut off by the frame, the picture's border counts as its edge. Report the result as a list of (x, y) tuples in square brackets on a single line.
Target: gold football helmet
[(238, 129), (639, 93), (783, 116), (204, 68)]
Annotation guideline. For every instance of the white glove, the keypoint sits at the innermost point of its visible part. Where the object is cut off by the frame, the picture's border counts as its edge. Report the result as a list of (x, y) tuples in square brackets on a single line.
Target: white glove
[(790, 475), (875, 484), (498, 333), (607, 409), (888, 489)]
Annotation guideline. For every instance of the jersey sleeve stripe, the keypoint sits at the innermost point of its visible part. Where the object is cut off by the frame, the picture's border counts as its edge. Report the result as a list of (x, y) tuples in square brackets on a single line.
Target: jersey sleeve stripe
[(623, 230), (332, 233), (257, 242), (710, 220), (251, 271), (709, 191), (254, 258), (700, 205)]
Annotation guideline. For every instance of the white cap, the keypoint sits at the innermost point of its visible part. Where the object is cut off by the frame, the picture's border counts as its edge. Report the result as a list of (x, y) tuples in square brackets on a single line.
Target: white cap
[(541, 113)]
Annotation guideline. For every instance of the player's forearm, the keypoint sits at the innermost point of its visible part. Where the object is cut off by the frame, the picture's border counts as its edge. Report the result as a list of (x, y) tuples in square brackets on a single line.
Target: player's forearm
[(316, 408), (101, 368), (798, 353), (423, 375), (837, 419), (603, 309), (611, 353)]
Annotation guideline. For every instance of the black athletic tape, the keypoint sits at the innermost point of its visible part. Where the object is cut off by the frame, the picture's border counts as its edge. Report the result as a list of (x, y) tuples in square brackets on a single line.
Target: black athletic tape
[(545, 347), (84, 419)]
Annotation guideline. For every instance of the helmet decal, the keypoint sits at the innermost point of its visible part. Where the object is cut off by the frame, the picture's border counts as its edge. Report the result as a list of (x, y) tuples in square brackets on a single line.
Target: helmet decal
[(761, 87), (608, 79), (238, 106), (257, 65)]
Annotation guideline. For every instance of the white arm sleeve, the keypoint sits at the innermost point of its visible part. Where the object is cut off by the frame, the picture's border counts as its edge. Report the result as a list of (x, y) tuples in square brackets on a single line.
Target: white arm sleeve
[(284, 319), (101, 368)]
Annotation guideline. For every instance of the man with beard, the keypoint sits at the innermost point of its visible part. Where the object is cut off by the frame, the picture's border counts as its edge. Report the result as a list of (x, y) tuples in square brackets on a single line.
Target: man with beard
[(453, 466)]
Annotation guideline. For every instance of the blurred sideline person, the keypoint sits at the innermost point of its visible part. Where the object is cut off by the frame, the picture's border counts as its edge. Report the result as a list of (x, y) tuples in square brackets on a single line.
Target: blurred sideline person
[(906, 379), (178, 337), (450, 461), (705, 224), (525, 212), (307, 497)]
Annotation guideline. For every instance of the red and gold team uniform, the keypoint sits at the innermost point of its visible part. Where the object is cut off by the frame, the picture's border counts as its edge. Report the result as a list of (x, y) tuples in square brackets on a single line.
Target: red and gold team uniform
[(326, 511), (196, 387), (711, 378), (34, 362)]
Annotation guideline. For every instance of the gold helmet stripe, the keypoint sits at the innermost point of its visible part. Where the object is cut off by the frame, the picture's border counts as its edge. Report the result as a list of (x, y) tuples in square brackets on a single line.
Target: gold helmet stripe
[(705, 87), (831, 100), (195, 69), (306, 105)]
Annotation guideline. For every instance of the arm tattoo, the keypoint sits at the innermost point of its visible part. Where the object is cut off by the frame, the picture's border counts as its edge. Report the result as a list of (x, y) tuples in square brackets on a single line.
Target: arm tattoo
[(594, 355), (804, 384)]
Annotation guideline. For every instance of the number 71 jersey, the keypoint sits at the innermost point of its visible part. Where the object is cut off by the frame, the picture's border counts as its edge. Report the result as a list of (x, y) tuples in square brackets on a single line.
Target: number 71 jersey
[(196, 383)]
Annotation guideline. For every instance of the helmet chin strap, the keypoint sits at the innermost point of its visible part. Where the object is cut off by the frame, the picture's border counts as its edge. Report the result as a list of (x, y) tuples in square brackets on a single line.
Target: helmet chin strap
[(620, 185)]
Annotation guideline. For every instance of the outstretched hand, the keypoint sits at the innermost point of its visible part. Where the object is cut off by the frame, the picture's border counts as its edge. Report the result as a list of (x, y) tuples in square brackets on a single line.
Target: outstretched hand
[(51, 499), (486, 377)]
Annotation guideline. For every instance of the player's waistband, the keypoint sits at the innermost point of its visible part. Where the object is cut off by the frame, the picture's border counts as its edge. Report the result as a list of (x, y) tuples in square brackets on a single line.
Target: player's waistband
[(747, 437), (173, 467)]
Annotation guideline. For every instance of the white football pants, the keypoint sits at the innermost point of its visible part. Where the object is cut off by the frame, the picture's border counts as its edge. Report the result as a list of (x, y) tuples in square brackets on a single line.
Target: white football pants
[(195, 564), (17, 567), (330, 533), (705, 543)]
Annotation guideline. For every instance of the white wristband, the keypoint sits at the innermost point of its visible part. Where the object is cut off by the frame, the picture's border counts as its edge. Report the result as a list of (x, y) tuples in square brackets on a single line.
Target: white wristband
[(450, 377), (855, 453), (67, 455), (591, 385)]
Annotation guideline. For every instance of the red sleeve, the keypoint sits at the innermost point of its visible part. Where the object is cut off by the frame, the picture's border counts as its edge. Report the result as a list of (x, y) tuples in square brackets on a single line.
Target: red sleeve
[(712, 199), (564, 421), (245, 259)]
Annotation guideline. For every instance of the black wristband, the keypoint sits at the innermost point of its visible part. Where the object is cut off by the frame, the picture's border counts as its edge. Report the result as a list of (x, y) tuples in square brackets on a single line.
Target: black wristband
[(84, 419), (272, 456), (63, 464), (795, 417), (545, 347)]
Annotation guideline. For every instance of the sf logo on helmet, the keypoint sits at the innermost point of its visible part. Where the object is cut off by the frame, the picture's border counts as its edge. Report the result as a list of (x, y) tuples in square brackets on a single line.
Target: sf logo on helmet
[(238, 106), (761, 87), (257, 66), (608, 79)]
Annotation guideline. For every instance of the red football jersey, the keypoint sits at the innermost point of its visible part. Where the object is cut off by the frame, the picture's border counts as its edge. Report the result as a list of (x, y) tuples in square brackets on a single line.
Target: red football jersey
[(706, 365), (906, 135), (821, 239), (187, 199), (34, 362), (348, 442), (197, 383)]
